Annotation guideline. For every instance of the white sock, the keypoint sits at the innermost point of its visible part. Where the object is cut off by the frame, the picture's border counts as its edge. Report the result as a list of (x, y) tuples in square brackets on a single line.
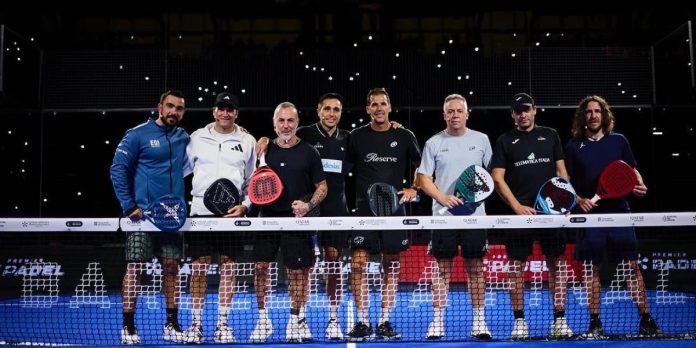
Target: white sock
[(222, 315), (197, 314), (363, 317), (263, 314), (385, 315), (294, 318), (479, 314), (438, 315), (303, 310), (333, 313)]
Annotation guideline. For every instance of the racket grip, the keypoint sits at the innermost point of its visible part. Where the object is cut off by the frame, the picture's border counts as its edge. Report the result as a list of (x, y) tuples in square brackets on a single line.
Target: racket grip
[(443, 210), (315, 243), (595, 198)]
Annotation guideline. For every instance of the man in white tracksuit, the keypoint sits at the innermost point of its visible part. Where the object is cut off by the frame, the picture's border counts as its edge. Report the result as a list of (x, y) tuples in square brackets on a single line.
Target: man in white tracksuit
[(219, 150)]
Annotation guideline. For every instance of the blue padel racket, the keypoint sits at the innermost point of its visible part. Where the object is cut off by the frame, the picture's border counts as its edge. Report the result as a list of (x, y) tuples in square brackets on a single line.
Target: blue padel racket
[(556, 196), (168, 213)]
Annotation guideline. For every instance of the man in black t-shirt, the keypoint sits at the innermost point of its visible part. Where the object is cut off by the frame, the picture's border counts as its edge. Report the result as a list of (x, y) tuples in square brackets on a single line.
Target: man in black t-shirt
[(381, 154), (332, 144), (299, 167), (523, 159)]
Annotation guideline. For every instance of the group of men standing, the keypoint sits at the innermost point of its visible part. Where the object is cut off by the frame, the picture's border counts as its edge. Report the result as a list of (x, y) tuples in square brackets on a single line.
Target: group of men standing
[(312, 161)]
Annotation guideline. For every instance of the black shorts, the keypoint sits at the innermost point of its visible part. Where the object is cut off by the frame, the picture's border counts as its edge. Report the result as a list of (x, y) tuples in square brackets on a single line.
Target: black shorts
[(297, 248), (518, 242), (444, 243), (618, 243), (375, 242), (337, 239), (224, 243)]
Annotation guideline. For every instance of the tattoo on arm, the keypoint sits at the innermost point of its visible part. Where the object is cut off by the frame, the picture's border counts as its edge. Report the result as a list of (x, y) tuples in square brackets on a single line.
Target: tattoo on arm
[(319, 194)]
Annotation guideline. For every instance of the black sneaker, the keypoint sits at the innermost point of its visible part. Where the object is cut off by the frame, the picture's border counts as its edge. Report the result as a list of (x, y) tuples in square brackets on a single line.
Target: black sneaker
[(648, 326), (360, 332), (386, 331), (595, 330)]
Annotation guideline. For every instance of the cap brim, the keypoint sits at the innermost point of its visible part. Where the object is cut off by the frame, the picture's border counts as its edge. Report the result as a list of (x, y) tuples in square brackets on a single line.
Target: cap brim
[(522, 107), (226, 105)]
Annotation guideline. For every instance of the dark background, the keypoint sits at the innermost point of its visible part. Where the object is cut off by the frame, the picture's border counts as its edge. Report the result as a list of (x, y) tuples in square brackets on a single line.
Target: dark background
[(74, 81)]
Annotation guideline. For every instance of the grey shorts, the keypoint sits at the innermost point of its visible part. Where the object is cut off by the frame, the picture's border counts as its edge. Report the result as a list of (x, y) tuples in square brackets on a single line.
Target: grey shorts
[(143, 246)]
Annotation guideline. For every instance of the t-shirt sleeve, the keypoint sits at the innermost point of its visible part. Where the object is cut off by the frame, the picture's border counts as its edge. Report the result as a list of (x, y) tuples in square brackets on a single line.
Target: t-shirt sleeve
[(316, 168), (427, 165), (498, 158)]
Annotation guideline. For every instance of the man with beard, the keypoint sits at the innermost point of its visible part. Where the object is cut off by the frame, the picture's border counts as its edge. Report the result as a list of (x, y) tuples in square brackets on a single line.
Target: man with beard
[(594, 145), (148, 164), (299, 167), (523, 159)]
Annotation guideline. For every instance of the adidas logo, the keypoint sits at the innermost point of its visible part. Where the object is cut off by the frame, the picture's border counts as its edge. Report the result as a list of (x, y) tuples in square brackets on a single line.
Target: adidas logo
[(237, 148)]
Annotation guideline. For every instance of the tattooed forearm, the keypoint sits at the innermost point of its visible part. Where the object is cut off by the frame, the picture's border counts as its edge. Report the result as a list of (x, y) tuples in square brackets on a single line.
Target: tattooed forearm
[(319, 194)]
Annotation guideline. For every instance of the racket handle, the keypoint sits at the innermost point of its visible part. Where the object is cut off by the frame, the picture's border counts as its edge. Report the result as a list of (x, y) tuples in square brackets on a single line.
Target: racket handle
[(315, 243), (443, 210), (262, 160), (595, 198)]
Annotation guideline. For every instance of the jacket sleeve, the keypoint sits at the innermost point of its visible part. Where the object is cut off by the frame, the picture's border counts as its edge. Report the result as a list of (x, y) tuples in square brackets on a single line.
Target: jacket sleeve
[(249, 168), (123, 171)]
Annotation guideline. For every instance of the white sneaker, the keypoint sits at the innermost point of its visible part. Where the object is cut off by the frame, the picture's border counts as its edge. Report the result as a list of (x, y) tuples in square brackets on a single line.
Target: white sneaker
[(263, 329), (560, 328), (520, 331), (194, 334), (333, 330), (305, 332), (172, 332), (479, 329), (436, 330), (224, 334), (293, 331), (128, 337)]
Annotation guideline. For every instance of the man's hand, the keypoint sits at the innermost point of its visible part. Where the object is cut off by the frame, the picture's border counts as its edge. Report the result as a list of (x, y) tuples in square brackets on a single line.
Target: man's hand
[(300, 208), (395, 124), (585, 204), (640, 190), (407, 195), (136, 215), (450, 201), (261, 146), (236, 211), (524, 210)]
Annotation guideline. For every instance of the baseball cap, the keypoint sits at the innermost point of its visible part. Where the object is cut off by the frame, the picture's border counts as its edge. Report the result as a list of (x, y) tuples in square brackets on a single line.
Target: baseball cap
[(521, 102), (227, 100)]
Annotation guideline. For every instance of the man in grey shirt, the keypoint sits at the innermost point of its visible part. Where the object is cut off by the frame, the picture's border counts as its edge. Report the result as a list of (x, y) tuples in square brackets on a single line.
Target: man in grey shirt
[(445, 156)]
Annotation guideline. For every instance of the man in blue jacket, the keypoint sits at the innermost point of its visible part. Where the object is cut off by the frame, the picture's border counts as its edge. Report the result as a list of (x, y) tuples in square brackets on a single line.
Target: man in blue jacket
[(148, 164)]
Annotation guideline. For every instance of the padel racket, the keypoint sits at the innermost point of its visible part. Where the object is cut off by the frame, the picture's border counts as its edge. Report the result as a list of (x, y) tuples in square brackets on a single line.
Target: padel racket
[(556, 196), (616, 181), (265, 186), (473, 186), (383, 199), (220, 196), (168, 213)]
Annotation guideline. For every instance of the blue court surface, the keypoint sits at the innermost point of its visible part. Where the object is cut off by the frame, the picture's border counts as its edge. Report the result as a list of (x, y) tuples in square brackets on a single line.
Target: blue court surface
[(64, 323)]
